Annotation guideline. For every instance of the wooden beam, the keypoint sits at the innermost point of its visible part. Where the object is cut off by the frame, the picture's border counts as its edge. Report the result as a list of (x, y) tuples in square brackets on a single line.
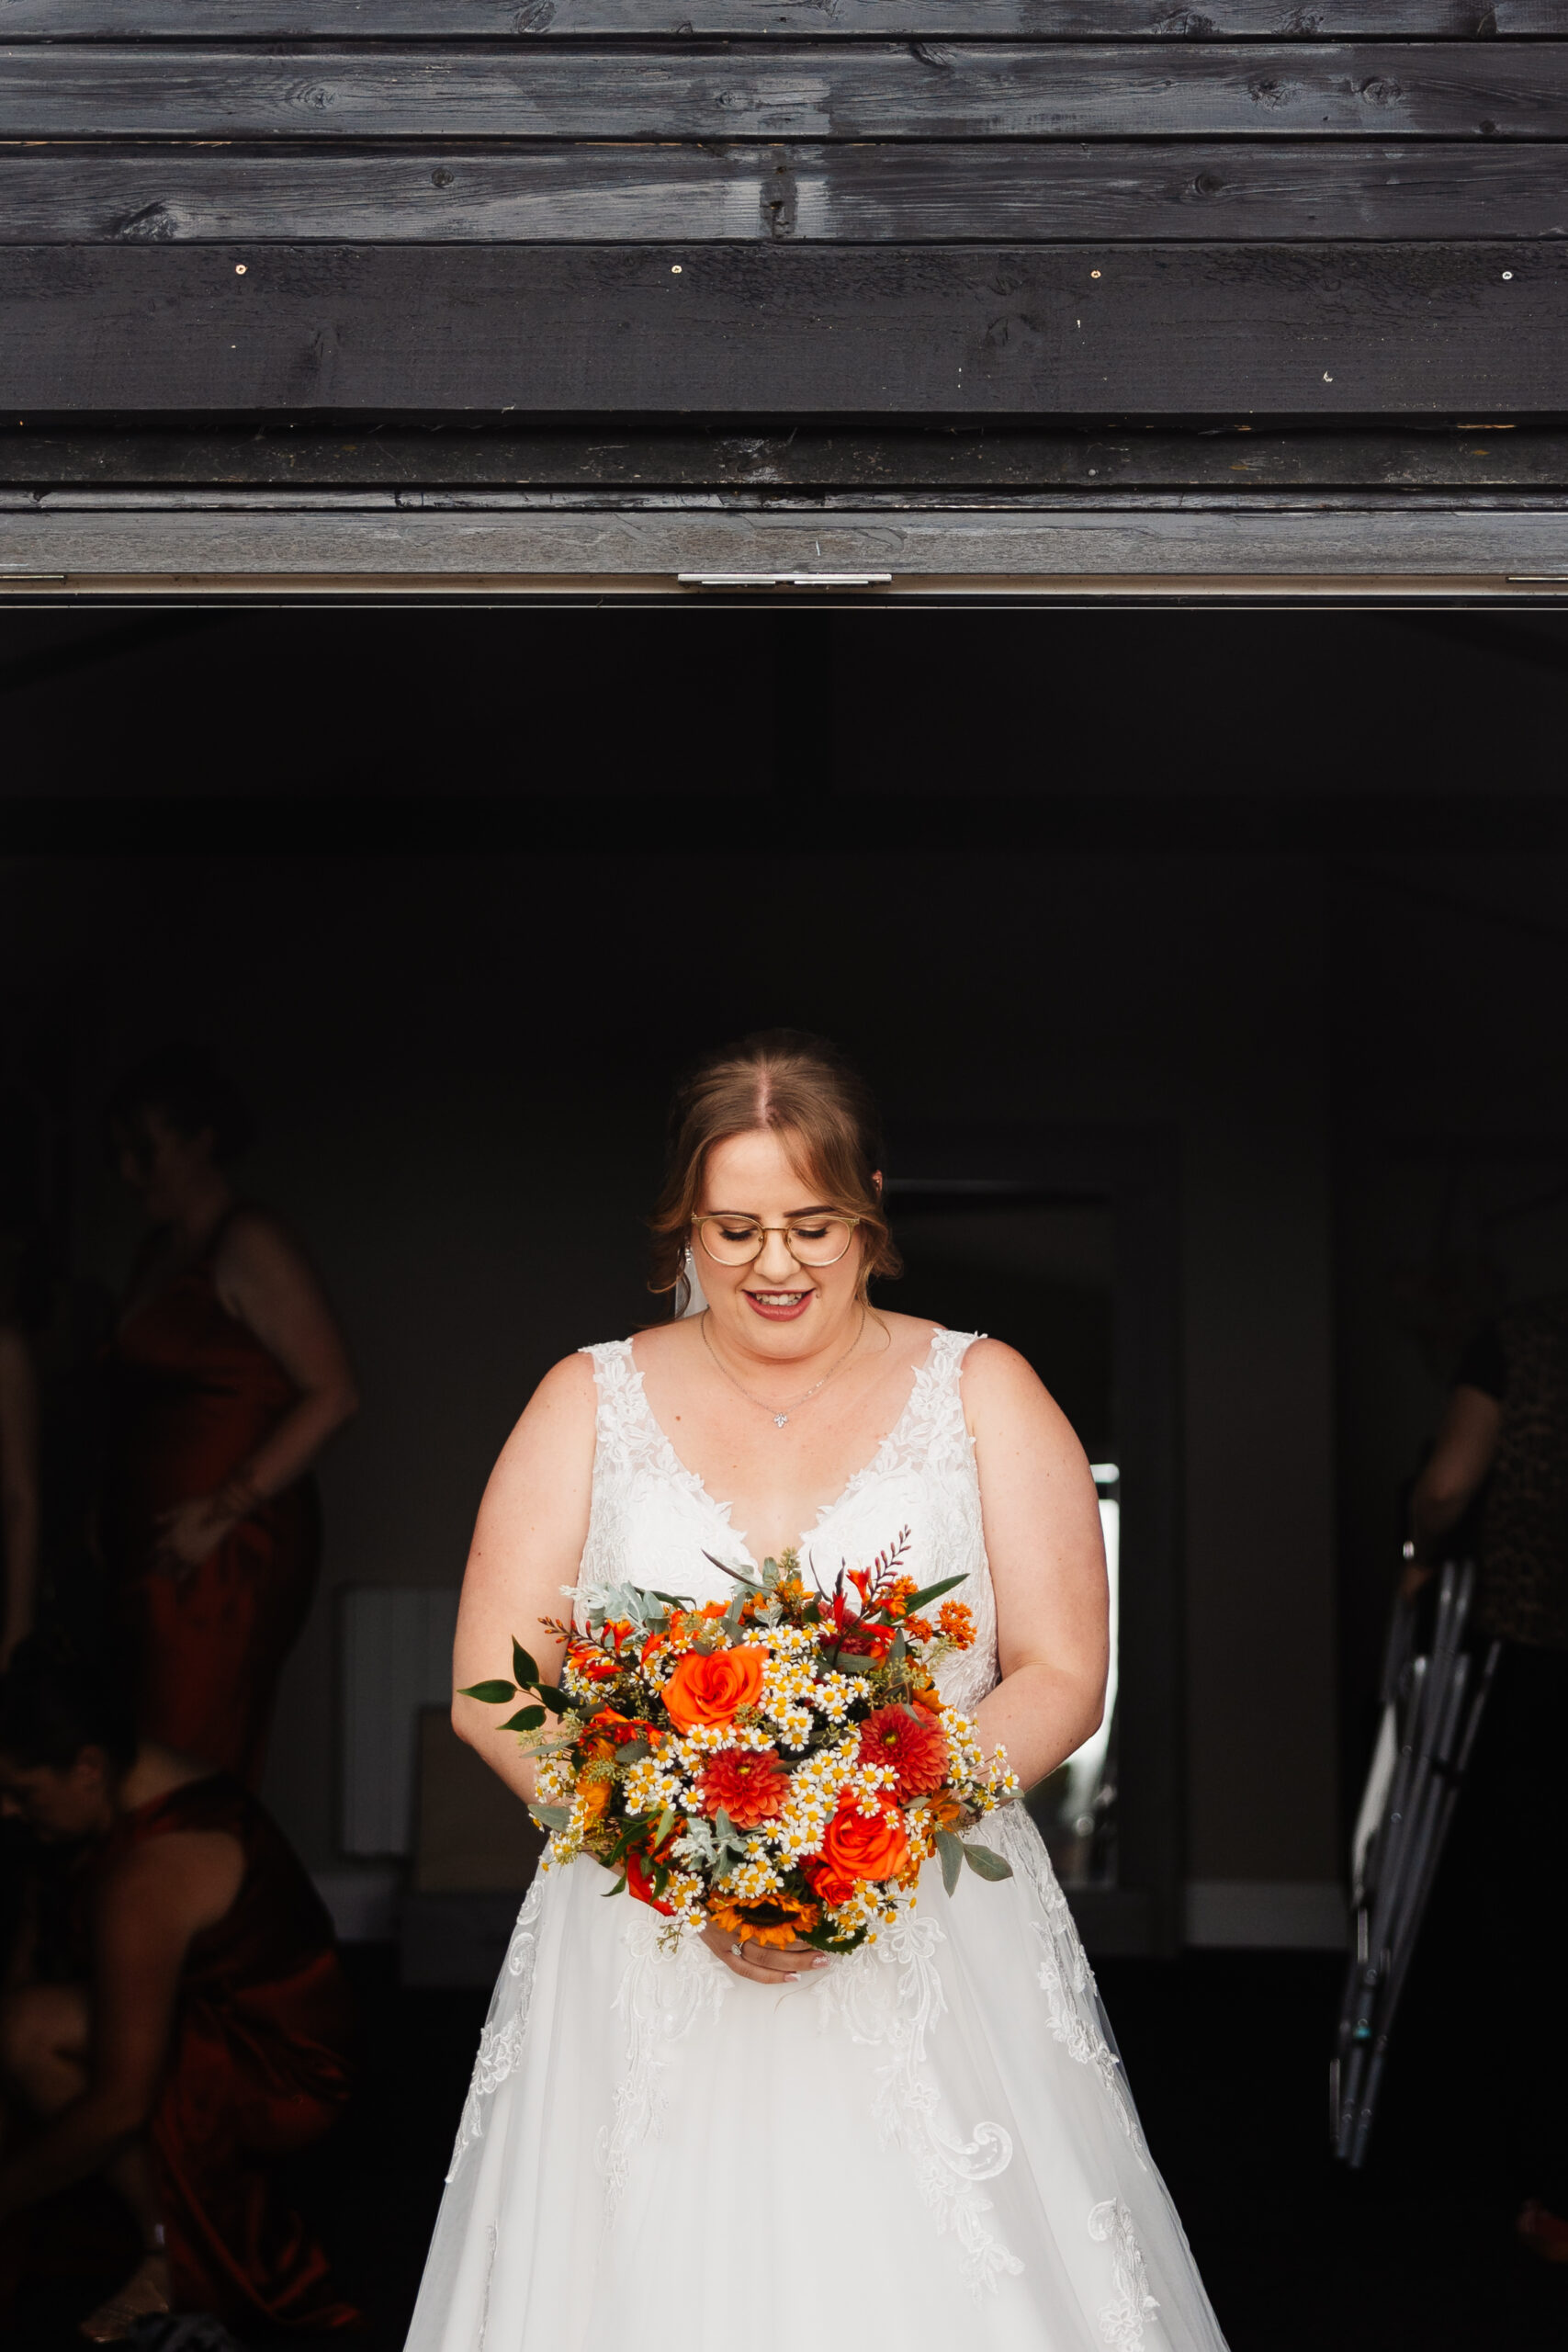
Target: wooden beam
[(446, 20), (654, 542), (916, 463), (999, 90), (1158, 331), (1007, 191)]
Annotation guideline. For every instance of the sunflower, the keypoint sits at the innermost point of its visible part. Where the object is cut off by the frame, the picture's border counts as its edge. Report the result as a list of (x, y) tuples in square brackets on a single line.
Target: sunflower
[(779, 1921)]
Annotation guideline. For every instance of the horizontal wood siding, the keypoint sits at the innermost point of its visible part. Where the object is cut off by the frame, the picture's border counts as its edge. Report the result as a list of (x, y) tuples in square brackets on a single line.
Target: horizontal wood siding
[(962, 90), (903, 195), (885, 209), (1162, 331), (450, 20)]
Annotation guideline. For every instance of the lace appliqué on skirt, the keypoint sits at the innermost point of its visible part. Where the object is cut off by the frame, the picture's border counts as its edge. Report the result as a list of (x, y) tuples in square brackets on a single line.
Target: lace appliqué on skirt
[(661, 1997), (1124, 2319), (888, 1995), (501, 2037), (1066, 1977)]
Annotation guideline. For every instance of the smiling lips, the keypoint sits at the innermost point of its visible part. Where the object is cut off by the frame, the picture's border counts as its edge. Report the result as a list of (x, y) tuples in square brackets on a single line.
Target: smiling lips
[(779, 1305)]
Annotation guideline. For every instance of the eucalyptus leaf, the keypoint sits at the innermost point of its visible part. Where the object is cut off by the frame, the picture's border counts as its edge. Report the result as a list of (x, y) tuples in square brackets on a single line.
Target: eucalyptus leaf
[(524, 1668), (551, 1817), (950, 1851), (633, 1752), (666, 1823), (984, 1864), (850, 1663), (740, 1574), (491, 1695), (526, 1719)]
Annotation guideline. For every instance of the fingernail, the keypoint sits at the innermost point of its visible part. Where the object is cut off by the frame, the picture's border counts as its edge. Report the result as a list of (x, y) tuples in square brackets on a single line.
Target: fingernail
[(822, 1964)]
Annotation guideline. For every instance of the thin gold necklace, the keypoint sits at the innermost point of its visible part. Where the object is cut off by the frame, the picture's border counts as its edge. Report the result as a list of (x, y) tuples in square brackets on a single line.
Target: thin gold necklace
[(782, 1414)]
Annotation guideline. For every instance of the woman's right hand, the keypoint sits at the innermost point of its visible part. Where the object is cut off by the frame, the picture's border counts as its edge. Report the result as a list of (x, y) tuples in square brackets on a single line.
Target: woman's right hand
[(763, 1963)]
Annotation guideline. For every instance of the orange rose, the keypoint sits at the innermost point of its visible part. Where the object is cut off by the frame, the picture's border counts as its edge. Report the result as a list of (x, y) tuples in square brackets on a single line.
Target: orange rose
[(830, 1886), (713, 1689), (859, 1845), (595, 1796)]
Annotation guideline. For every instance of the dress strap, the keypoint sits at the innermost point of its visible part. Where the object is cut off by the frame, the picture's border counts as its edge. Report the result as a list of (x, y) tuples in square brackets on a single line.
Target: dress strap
[(615, 1378)]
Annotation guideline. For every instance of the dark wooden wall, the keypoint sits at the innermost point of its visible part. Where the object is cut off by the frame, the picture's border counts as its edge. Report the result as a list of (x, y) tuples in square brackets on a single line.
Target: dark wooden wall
[(887, 209)]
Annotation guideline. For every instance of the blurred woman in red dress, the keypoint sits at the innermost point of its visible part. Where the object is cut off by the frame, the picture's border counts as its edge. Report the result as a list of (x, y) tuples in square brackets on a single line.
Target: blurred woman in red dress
[(227, 1375), (185, 2026)]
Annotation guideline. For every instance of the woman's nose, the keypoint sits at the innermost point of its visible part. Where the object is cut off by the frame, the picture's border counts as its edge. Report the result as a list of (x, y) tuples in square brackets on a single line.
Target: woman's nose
[(774, 1260)]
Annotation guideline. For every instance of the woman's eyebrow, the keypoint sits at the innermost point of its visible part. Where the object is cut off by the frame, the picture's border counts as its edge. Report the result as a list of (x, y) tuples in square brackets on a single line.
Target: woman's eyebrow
[(820, 1208)]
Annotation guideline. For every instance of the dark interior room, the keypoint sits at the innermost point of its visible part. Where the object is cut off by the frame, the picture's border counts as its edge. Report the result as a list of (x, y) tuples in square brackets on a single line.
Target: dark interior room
[(1208, 967)]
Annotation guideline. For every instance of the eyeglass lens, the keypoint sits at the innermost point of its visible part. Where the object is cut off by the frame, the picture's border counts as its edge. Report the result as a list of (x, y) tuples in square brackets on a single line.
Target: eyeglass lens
[(816, 1241)]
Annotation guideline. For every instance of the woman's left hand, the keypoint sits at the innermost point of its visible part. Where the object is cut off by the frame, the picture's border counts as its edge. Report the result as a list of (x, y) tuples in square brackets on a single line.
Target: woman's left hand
[(188, 1534), (762, 1963)]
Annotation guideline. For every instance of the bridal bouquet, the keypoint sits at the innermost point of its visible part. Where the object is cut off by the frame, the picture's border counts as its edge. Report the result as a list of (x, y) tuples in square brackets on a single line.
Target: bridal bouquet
[(779, 1768)]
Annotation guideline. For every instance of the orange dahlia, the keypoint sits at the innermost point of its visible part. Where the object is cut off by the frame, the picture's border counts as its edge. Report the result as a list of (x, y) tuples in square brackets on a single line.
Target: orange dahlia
[(914, 1747), (750, 1783)]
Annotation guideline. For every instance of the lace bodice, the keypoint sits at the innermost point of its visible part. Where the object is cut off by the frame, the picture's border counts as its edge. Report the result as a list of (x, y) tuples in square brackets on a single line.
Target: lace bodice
[(653, 1520)]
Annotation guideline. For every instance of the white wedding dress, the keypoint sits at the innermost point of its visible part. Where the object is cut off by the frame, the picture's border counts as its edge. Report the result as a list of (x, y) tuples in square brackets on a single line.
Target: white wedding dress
[(928, 2145)]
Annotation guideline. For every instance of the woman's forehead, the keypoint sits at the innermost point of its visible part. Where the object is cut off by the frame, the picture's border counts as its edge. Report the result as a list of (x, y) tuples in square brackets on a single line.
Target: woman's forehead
[(763, 1168)]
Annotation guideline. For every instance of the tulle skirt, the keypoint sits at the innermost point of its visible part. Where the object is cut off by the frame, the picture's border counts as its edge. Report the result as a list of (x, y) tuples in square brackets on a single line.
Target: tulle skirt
[(931, 2143)]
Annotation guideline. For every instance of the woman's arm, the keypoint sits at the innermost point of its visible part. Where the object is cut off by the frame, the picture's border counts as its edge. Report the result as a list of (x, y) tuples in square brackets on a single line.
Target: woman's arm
[(1047, 1556), (1455, 1472), (19, 1514), (523, 1560), (267, 1283), (162, 1896)]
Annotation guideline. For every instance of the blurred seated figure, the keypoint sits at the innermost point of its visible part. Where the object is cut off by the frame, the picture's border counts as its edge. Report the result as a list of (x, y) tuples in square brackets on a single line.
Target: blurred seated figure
[(1502, 1453), (181, 2025), (227, 1374)]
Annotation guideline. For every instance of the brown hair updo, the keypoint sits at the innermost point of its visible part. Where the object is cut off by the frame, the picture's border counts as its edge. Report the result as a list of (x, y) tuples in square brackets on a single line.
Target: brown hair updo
[(793, 1085)]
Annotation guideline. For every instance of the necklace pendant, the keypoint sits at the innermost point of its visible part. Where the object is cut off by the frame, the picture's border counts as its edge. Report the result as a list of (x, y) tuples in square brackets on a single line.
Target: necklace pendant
[(779, 1419)]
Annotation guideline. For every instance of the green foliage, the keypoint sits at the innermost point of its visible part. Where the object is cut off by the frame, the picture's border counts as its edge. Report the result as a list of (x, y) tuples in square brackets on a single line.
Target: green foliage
[(524, 1668), (526, 1719), (551, 1817), (950, 1852), (491, 1695), (984, 1864)]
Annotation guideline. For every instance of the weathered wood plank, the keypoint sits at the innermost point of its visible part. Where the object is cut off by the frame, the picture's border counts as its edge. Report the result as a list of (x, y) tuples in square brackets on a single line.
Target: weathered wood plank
[(924, 19), (886, 91), (896, 194), (913, 544), (1162, 331), (914, 462)]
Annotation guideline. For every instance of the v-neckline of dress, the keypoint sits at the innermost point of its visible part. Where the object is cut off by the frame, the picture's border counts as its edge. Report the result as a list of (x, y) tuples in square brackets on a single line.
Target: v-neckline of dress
[(696, 1485)]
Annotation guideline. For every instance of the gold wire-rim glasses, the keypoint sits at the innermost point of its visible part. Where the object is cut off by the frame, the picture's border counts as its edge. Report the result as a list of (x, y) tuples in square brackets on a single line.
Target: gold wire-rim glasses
[(830, 1216)]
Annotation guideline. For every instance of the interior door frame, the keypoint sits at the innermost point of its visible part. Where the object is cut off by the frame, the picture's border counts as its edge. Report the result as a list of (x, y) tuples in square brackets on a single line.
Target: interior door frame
[(1134, 1171)]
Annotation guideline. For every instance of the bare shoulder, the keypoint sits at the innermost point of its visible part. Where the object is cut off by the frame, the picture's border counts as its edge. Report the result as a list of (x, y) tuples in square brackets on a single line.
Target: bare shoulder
[(908, 1335), (667, 1342), (1002, 1390), (169, 1888), (558, 1421), (254, 1241), (568, 1387)]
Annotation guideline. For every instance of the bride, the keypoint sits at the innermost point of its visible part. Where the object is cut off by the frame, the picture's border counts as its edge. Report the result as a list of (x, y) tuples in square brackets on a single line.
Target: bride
[(931, 2139)]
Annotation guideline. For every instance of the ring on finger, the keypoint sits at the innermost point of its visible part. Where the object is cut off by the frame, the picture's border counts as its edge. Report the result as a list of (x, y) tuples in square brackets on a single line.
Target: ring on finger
[(735, 1951)]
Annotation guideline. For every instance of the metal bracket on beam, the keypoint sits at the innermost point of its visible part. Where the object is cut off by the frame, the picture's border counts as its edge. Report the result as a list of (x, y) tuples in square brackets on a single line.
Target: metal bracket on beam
[(785, 579)]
